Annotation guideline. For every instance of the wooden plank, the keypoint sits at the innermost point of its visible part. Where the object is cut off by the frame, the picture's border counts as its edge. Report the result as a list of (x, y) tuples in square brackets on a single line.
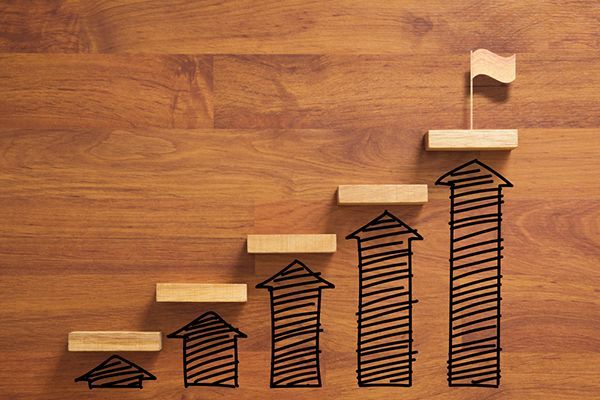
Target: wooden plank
[(373, 92), (110, 206), (472, 140), (82, 207), (161, 221), (114, 341), (295, 27), (279, 244), (382, 194), (115, 91), (202, 292)]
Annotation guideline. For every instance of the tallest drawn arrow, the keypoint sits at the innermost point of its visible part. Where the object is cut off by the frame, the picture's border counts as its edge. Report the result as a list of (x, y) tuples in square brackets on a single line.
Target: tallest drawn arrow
[(475, 273)]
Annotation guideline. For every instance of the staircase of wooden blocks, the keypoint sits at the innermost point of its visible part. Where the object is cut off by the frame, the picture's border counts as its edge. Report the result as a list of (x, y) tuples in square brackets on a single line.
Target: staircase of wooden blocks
[(111, 341)]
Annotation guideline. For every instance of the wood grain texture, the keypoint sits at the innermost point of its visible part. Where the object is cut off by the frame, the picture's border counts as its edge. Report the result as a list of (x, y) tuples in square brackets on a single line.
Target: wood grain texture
[(372, 195), (291, 243), (297, 26), (118, 171), (113, 341), (484, 62), (374, 91), (117, 91), (202, 292), (472, 140), (80, 207)]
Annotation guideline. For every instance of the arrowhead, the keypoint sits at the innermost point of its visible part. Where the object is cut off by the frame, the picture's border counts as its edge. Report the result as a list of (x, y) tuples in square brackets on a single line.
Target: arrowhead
[(387, 220), (207, 321), (293, 274), (473, 173), (112, 362)]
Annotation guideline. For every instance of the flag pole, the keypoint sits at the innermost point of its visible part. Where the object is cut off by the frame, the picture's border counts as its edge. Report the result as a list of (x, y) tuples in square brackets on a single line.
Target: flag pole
[(471, 88)]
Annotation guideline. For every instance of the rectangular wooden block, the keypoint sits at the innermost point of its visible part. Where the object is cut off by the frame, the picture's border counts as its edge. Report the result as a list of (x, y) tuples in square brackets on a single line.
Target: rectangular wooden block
[(201, 292), (115, 341), (381, 194), (472, 140), (265, 244)]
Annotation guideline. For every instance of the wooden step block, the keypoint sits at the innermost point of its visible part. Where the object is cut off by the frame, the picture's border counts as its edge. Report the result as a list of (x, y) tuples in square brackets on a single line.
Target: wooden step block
[(278, 244), (352, 195), (472, 140), (115, 341), (202, 292)]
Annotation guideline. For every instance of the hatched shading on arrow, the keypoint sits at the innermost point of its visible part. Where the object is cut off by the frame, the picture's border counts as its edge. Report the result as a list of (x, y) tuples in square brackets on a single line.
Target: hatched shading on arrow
[(116, 373), (475, 273), (295, 325), (385, 344), (210, 353)]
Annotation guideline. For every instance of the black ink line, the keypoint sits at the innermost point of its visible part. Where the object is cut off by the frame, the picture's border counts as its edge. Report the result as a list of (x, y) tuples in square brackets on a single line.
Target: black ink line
[(494, 285), (478, 199), (299, 365), (476, 235), (203, 361), (384, 344), (465, 172), (470, 179), (116, 373)]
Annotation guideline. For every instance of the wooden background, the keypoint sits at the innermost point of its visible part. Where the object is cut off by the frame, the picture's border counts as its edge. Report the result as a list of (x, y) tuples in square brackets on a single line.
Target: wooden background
[(141, 141)]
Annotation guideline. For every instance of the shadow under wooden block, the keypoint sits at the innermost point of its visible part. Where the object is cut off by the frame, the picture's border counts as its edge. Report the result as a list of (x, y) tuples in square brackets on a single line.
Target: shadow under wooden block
[(353, 195), (202, 292), (115, 341), (280, 244), (472, 140)]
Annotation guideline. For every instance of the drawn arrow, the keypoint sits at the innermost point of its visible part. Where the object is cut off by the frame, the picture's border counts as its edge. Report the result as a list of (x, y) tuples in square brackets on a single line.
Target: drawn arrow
[(295, 325), (475, 274), (210, 353), (385, 344), (116, 373)]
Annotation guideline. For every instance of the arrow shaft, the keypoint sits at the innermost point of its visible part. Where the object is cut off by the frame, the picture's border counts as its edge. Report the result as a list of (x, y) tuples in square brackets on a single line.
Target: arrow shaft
[(295, 337), (385, 310), (474, 306)]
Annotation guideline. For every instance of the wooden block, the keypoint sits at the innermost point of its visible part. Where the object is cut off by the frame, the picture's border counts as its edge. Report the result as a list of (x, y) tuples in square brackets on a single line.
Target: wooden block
[(115, 341), (278, 244), (472, 140), (202, 292), (381, 194)]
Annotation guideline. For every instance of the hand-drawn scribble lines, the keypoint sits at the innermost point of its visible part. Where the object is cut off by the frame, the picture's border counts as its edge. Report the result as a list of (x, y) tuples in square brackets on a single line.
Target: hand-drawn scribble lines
[(210, 353), (116, 373), (385, 344), (475, 274), (295, 325)]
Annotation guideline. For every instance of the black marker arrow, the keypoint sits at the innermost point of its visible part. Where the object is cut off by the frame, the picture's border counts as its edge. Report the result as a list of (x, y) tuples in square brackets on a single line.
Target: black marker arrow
[(295, 325), (210, 353), (475, 273), (385, 350), (116, 373)]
